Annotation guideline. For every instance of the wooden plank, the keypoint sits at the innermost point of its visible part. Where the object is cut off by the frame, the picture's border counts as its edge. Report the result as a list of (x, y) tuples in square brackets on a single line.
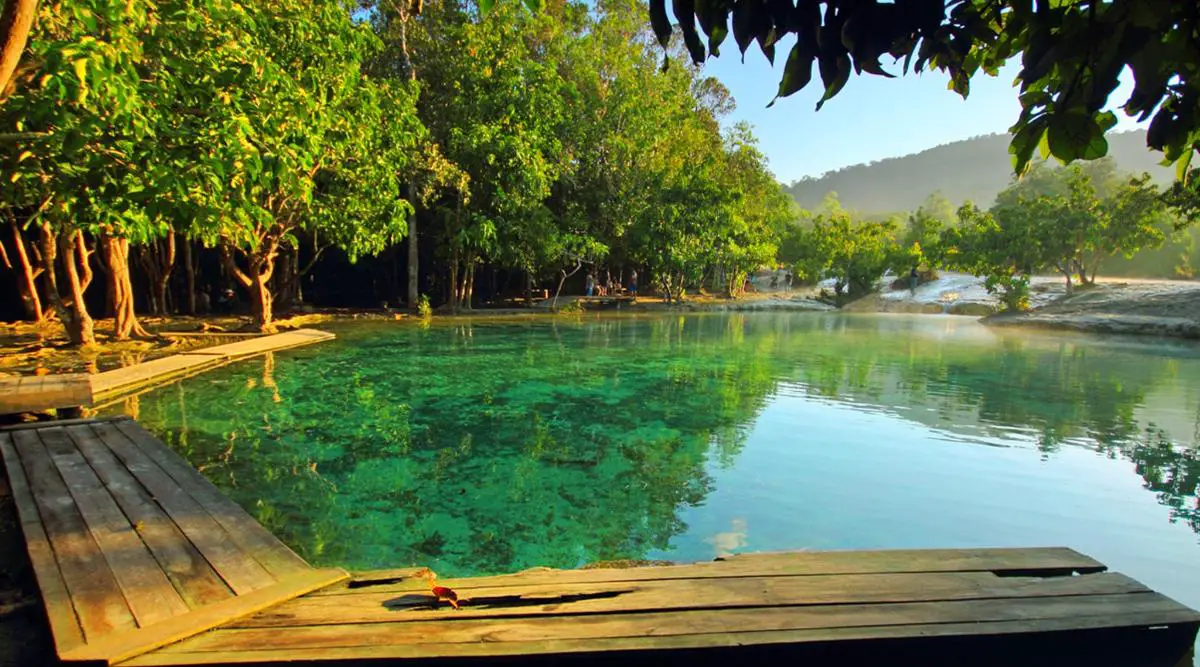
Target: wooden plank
[(64, 625), (1052, 560), (117, 648), (62, 422), (94, 592), (129, 376), (648, 596), (242, 573), (266, 343), (249, 535), (149, 593), (34, 394), (196, 581), (695, 629)]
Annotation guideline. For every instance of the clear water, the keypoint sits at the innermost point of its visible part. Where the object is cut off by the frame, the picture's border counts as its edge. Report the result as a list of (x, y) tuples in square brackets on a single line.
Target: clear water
[(491, 446)]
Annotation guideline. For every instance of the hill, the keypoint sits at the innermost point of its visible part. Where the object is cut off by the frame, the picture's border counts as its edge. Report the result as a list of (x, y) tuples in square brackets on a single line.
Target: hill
[(974, 169)]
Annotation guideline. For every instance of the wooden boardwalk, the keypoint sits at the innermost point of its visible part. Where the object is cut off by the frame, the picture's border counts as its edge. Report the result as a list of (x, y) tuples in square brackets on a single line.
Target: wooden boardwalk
[(132, 548), (56, 392), (35, 393), (141, 561), (130, 378)]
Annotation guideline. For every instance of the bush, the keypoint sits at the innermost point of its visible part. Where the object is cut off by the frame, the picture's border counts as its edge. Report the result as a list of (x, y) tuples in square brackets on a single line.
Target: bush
[(424, 310)]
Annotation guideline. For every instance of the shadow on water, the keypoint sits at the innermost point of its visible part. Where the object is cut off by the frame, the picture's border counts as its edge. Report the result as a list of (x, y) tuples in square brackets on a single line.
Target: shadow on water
[(492, 447)]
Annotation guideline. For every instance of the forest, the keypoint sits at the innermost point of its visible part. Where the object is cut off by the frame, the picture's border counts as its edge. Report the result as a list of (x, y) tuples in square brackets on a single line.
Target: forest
[(181, 157), (159, 154)]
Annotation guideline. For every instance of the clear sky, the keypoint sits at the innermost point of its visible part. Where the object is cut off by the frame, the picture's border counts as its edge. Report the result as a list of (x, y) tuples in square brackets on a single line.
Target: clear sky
[(871, 119)]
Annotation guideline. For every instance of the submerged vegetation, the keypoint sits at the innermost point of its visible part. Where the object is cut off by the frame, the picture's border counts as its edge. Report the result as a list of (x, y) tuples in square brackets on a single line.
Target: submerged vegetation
[(560, 442)]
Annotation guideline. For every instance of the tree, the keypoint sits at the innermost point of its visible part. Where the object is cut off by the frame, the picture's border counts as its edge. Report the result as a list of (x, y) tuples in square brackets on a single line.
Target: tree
[(857, 253), (1072, 51), (292, 137), (1075, 228), (1002, 254), (83, 173), (15, 21)]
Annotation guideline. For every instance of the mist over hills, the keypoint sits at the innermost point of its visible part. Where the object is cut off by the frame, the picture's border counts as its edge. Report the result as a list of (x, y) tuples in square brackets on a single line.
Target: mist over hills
[(974, 169)]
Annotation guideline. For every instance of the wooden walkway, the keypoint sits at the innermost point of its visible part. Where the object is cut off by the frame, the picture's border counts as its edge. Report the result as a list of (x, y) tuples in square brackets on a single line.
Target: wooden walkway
[(132, 548), (35, 393), (56, 392), (140, 561), (125, 380)]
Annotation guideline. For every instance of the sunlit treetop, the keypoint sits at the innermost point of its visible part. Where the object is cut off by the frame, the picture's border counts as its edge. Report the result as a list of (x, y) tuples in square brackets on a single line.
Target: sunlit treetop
[(1072, 53)]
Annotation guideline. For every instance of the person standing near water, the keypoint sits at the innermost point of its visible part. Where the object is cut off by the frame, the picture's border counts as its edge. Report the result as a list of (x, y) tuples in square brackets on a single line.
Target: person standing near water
[(912, 280), (590, 284), (633, 282)]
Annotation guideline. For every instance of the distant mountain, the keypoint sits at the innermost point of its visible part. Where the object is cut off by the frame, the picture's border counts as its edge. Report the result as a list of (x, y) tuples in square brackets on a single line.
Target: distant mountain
[(974, 169)]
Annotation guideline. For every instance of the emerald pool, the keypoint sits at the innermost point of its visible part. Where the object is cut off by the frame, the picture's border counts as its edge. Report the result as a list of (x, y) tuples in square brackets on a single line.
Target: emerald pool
[(487, 445)]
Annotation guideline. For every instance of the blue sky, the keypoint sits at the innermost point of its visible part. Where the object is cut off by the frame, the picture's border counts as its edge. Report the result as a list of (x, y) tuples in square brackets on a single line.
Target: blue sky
[(871, 119)]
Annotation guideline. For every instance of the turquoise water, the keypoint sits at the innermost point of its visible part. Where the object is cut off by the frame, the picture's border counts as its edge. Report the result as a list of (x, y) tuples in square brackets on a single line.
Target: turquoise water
[(490, 446)]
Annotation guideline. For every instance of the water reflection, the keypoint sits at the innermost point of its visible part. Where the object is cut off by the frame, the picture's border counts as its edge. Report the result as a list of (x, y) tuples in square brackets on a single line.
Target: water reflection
[(490, 446)]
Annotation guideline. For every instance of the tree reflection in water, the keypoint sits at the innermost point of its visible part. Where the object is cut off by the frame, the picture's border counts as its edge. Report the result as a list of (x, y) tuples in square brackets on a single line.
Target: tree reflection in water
[(493, 446)]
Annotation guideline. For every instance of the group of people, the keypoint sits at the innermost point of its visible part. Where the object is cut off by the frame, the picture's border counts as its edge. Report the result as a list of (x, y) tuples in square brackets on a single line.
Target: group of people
[(610, 286)]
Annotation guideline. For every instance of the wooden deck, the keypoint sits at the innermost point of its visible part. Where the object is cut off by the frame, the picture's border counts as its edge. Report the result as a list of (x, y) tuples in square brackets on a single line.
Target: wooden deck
[(141, 561), (110, 384), (132, 548), (56, 392), (35, 393)]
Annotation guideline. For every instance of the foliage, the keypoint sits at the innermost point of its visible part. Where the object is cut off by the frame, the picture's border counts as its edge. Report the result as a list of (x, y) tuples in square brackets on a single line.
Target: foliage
[(1072, 53), (1078, 217), (1003, 254), (856, 253), (424, 309)]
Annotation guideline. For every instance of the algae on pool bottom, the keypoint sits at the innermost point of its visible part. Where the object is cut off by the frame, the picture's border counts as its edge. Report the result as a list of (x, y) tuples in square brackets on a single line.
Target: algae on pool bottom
[(489, 446)]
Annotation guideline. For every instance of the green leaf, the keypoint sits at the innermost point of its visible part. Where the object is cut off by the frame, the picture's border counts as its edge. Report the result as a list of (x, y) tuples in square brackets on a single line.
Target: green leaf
[(660, 23), (1070, 134), (835, 72), (485, 6), (744, 20), (798, 70), (1096, 148), (533, 5)]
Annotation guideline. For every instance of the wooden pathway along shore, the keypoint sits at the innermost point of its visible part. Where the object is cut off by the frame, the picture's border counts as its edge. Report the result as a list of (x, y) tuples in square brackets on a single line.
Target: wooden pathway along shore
[(141, 561)]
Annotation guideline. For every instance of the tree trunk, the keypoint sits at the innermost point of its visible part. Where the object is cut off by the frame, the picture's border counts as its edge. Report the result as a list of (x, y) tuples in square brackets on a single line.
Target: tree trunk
[(189, 274), (120, 287), (27, 275), (454, 281), (468, 284), (260, 296), (256, 279), (15, 23), (165, 266), (413, 256), (75, 318)]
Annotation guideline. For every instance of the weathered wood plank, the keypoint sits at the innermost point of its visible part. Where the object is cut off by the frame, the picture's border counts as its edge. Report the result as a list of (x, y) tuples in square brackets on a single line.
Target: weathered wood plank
[(117, 648), (94, 592), (244, 531), (149, 593), (61, 422), (35, 394), (130, 376), (187, 572), (700, 628), (1052, 560), (196, 581), (678, 594), (64, 625), (266, 343), (242, 573)]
